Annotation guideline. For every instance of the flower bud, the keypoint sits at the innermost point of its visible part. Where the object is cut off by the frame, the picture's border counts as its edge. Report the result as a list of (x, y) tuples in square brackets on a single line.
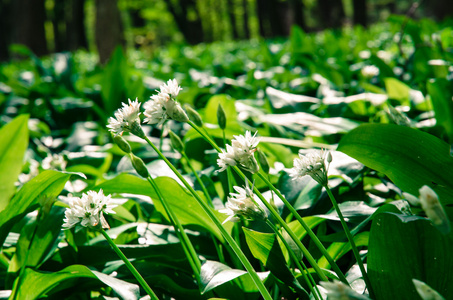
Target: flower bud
[(434, 210), (122, 143), (221, 117), (176, 142), (194, 116), (263, 162), (425, 291), (139, 166)]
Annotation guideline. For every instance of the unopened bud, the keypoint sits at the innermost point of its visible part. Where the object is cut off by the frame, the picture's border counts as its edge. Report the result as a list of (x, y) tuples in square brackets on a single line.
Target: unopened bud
[(122, 143), (194, 116), (263, 162), (329, 157), (139, 166), (221, 117), (434, 210), (176, 142)]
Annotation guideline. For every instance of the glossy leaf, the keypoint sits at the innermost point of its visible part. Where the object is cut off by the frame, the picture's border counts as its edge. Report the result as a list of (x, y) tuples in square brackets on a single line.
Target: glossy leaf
[(441, 94), (48, 185), (403, 248), (13, 143), (185, 207), (409, 157)]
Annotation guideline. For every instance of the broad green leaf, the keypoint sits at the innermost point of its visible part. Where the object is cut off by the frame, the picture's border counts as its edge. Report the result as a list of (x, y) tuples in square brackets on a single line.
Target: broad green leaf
[(214, 274), (13, 143), (338, 249), (35, 284), (113, 84), (185, 207), (397, 90), (409, 157), (45, 233), (265, 248), (400, 251), (441, 97), (48, 185)]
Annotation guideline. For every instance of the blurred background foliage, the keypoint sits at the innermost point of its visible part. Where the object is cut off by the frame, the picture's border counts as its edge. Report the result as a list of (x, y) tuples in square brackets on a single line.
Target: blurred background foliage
[(49, 26)]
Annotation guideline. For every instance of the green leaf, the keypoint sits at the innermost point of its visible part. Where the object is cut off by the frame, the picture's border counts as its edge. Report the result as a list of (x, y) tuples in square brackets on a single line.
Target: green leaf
[(409, 157), (13, 143), (48, 184), (185, 207), (397, 90), (265, 248), (39, 284), (400, 251), (338, 249), (214, 274), (441, 94)]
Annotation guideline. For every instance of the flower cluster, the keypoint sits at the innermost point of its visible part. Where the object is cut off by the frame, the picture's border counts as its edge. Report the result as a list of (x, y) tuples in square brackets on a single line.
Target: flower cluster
[(54, 162), (337, 290), (88, 210), (126, 118), (313, 164), (163, 106), (243, 204), (240, 153), (370, 71)]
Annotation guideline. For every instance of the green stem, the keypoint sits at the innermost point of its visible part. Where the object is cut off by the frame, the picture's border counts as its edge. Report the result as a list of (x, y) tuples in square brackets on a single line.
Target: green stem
[(216, 221), (272, 210), (200, 182), (131, 268), (303, 269), (310, 232), (186, 243), (351, 241)]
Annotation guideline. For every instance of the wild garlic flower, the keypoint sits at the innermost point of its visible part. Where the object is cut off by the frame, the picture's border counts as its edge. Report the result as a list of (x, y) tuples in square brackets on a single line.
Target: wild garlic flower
[(370, 71), (54, 162), (337, 290), (433, 209), (243, 204), (88, 210), (163, 106), (313, 164), (126, 119), (240, 153), (171, 88)]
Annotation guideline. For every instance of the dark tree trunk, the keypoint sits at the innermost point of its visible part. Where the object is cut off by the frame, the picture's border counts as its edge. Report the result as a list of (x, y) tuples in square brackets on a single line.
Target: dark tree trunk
[(28, 25), (298, 11), (441, 9), (5, 29), (331, 13), (192, 30), (280, 17), (262, 9), (245, 19), (360, 12), (75, 28), (232, 16), (109, 28), (59, 26)]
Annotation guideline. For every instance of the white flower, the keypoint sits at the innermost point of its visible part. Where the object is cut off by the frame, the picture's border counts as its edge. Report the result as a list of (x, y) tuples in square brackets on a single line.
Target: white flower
[(433, 209), (54, 162), (240, 152), (370, 71), (88, 210), (155, 111), (337, 290), (171, 88), (125, 117), (313, 164), (242, 204)]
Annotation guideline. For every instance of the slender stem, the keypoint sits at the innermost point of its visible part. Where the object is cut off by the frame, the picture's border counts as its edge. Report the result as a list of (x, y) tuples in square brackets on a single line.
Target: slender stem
[(293, 256), (216, 221), (310, 232), (272, 210), (187, 244), (200, 182), (351, 241), (131, 268)]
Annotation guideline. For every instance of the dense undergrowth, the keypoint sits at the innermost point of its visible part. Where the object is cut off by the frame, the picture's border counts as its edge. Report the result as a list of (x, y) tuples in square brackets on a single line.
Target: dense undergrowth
[(380, 100)]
